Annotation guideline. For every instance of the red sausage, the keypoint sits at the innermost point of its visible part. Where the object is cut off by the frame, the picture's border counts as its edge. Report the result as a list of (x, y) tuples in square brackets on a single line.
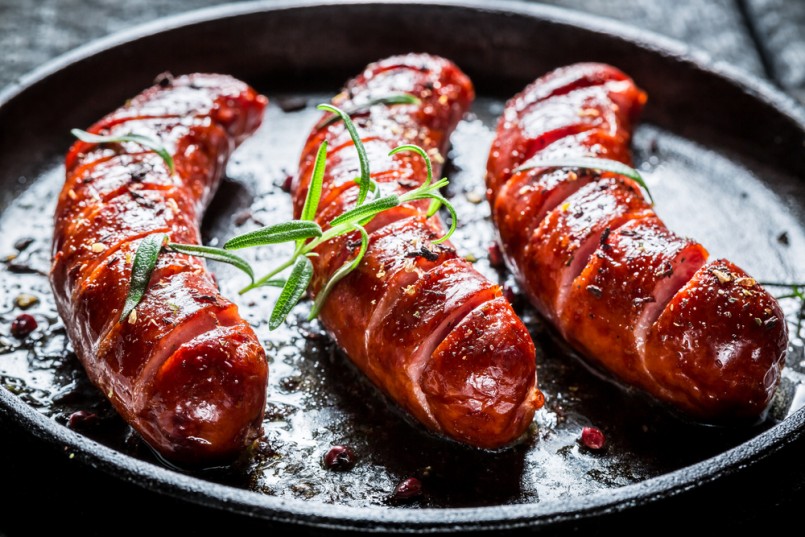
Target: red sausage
[(184, 369), (427, 328), (595, 259)]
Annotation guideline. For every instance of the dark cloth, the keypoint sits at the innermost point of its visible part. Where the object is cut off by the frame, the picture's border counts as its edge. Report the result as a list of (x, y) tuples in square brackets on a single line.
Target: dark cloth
[(717, 27), (780, 29), (763, 37)]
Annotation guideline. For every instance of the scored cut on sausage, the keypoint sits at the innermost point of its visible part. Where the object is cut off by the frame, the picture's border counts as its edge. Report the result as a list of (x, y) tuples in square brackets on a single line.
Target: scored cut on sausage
[(596, 261), (417, 319), (184, 369)]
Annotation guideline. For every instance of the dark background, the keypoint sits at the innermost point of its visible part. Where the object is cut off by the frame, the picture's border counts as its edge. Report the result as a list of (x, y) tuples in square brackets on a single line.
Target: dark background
[(763, 37)]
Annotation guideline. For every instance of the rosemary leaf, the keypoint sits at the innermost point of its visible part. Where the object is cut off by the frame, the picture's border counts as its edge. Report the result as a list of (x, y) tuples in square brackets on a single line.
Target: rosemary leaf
[(278, 233), (453, 217), (145, 259), (360, 213), (314, 188), (439, 184), (373, 187), (154, 145), (588, 163), (364, 184), (434, 207), (422, 153), (214, 254), (340, 274), (292, 292), (273, 283)]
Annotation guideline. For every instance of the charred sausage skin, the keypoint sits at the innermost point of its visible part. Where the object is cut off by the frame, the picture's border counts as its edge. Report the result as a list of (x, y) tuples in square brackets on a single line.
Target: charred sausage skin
[(185, 370), (594, 258), (417, 319)]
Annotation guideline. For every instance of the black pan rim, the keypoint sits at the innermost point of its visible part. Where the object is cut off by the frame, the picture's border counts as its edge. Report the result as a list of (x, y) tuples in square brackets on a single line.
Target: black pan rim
[(326, 516)]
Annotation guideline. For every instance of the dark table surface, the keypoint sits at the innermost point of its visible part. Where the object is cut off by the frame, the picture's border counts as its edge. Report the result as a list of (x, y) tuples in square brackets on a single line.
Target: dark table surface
[(763, 37)]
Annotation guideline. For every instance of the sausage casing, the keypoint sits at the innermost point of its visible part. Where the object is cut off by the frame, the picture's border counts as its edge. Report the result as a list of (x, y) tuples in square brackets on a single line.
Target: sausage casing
[(185, 370), (594, 258), (420, 321)]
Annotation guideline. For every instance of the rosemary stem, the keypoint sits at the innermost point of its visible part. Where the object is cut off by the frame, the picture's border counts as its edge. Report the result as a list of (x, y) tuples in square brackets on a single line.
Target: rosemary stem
[(271, 274), (303, 250), (326, 236)]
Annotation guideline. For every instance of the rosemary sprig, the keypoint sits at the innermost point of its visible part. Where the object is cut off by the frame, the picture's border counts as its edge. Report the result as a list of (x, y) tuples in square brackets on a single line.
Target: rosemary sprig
[(154, 145), (588, 163), (795, 286), (348, 222), (305, 233), (796, 291)]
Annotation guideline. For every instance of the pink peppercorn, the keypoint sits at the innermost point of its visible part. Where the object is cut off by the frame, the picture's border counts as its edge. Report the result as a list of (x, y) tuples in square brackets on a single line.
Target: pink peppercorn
[(23, 325), (82, 419), (592, 438), (340, 459), (495, 255), (509, 294), (406, 490)]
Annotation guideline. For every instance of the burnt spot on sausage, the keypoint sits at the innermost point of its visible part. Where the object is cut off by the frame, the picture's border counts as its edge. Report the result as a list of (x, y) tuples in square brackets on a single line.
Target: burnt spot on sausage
[(595, 291), (139, 171), (423, 252), (445, 249), (604, 238), (639, 301), (665, 270), (141, 199)]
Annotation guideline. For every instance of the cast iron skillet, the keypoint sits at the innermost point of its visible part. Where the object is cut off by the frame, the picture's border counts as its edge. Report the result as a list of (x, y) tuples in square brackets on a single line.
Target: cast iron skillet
[(321, 44)]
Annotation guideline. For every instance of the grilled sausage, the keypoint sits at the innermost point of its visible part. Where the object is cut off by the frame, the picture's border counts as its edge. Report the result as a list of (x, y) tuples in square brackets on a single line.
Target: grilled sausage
[(184, 369), (594, 258), (426, 328)]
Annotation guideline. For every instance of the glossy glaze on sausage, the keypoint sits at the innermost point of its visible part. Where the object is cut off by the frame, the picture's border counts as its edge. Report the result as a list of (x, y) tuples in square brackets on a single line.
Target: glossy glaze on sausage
[(427, 328), (595, 259), (185, 370)]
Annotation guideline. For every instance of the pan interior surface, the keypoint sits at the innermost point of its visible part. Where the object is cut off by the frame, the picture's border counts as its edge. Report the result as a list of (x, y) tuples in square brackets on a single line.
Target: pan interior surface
[(738, 193)]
